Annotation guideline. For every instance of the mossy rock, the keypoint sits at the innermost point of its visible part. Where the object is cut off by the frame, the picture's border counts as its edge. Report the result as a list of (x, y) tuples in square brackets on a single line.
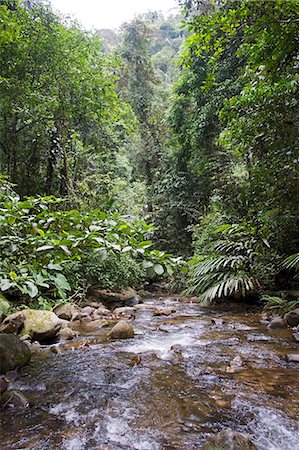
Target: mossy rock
[(13, 353)]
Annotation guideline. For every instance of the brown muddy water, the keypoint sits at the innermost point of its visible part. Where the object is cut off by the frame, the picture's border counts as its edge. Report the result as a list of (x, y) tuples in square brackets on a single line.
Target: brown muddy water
[(179, 380)]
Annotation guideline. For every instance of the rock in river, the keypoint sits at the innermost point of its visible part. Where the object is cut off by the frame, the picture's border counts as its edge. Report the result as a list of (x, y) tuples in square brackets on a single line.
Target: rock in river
[(228, 440), (66, 312), (122, 330), (13, 353), (40, 325), (277, 323), (292, 318)]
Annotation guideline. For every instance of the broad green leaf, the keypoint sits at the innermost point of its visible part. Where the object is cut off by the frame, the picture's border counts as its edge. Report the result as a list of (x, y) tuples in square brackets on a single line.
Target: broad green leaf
[(44, 247), (31, 289), (158, 268)]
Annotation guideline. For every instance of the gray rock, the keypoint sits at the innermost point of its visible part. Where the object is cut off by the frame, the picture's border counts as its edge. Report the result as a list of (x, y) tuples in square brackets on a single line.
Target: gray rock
[(122, 330), (277, 323), (228, 440), (66, 312), (132, 301), (13, 353), (66, 334), (87, 310), (292, 318), (102, 311), (293, 357)]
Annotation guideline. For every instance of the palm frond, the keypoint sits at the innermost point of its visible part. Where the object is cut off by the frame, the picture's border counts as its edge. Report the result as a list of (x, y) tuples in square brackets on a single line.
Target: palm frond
[(292, 262)]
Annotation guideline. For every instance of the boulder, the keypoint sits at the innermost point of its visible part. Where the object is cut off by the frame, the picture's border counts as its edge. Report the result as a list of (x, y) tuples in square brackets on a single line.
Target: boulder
[(228, 440), (88, 310), (66, 334), (14, 398), (292, 318), (13, 353), (122, 330), (277, 323), (41, 325), (66, 312)]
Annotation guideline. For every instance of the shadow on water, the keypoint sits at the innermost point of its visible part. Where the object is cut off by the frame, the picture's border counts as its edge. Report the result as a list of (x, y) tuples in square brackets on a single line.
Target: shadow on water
[(191, 378)]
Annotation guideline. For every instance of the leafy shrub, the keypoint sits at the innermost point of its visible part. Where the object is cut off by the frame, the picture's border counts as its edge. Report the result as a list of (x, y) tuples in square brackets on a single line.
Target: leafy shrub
[(41, 245), (115, 272)]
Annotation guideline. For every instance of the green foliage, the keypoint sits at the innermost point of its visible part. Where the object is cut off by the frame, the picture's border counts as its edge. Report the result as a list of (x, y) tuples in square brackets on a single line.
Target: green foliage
[(60, 117), (234, 111), (43, 247), (279, 304), (232, 264)]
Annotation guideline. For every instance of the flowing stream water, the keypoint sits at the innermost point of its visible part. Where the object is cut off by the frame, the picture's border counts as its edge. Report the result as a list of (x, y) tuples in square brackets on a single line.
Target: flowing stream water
[(178, 380)]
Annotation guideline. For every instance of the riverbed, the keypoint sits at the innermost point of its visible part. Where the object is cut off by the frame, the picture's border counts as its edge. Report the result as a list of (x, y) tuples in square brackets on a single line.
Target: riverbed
[(181, 378)]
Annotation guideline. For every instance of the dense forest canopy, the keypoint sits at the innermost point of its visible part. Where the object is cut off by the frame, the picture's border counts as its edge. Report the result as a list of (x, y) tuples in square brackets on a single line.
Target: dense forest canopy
[(188, 122)]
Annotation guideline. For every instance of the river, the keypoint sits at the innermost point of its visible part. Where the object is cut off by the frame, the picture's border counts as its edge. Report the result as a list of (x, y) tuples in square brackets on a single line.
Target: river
[(181, 378)]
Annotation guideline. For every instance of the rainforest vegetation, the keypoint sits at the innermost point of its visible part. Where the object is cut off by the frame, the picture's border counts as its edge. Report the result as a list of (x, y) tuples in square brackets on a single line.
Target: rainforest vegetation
[(166, 149)]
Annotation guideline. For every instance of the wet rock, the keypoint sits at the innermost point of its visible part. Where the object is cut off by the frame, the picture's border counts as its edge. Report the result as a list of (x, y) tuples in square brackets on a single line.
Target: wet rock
[(88, 327), (66, 312), (277, 323), (13, 353), (14, 398), (122, 330), (228, 440), (124, 310), (13, 323), (87, 310), (292, 318), (293, 357), (164, 312), (132, 301), (66, 334)]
